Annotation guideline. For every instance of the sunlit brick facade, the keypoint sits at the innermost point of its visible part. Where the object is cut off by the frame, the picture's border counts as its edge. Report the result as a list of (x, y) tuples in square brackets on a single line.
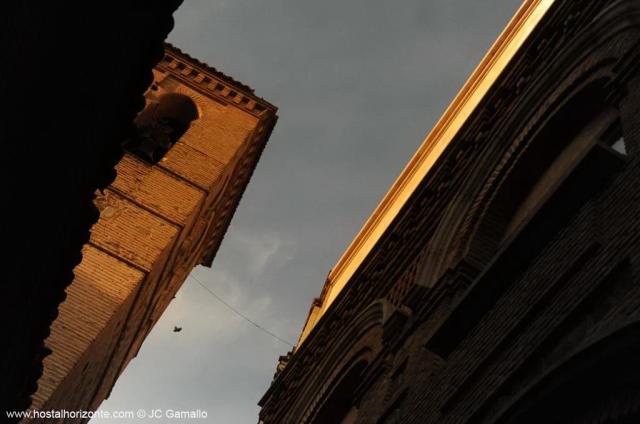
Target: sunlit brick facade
[(196, 145)]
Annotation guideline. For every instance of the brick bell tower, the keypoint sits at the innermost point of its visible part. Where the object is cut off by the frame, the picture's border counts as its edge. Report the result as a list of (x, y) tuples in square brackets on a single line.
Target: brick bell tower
[(196, 145)]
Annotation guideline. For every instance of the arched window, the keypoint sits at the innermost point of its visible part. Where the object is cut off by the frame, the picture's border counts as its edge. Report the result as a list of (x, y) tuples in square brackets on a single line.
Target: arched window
[(564, 165), (339, 407), (549, 181), (160, 125)]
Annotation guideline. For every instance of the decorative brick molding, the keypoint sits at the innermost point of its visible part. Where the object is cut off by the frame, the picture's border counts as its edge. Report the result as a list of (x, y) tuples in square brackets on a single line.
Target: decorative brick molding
[(213, 82), (414, 250)]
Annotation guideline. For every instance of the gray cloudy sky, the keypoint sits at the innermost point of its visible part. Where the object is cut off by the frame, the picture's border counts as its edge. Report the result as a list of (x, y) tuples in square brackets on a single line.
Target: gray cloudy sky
[(359, 84)]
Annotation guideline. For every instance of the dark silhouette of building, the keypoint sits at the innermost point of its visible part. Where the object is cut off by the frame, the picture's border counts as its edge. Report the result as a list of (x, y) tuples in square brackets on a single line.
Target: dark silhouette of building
[(498, 280), (71, 82)]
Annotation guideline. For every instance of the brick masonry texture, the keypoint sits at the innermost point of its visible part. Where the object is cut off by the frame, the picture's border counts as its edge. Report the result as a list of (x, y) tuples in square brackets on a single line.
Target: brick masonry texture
[(54, 163), (156, 223), (507, 289)]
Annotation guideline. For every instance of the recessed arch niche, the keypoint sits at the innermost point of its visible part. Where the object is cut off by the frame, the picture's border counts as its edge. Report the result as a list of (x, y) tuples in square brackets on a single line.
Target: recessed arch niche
[(530, 171), (160, 125)]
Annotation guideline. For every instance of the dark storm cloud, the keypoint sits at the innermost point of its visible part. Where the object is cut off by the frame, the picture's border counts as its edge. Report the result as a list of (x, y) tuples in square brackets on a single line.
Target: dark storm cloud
[(359, 84)]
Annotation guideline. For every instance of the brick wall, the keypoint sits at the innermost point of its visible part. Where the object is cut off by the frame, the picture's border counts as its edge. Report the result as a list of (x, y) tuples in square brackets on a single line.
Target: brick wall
[(506, 303), (155, 223)]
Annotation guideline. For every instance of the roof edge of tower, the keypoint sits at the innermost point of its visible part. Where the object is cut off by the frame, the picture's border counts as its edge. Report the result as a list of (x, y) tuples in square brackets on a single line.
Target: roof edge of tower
[(244, 89)]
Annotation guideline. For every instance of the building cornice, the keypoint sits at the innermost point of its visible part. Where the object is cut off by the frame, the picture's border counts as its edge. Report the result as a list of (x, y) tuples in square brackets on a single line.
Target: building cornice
[(459, 111), (212, 82)]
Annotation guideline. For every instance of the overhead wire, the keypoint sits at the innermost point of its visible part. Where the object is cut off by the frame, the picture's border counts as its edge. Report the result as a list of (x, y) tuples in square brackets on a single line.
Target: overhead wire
[(237, 312)]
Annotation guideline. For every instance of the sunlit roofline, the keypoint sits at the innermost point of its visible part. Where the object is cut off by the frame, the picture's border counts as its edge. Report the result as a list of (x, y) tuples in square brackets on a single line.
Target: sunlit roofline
[(461, 108)]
